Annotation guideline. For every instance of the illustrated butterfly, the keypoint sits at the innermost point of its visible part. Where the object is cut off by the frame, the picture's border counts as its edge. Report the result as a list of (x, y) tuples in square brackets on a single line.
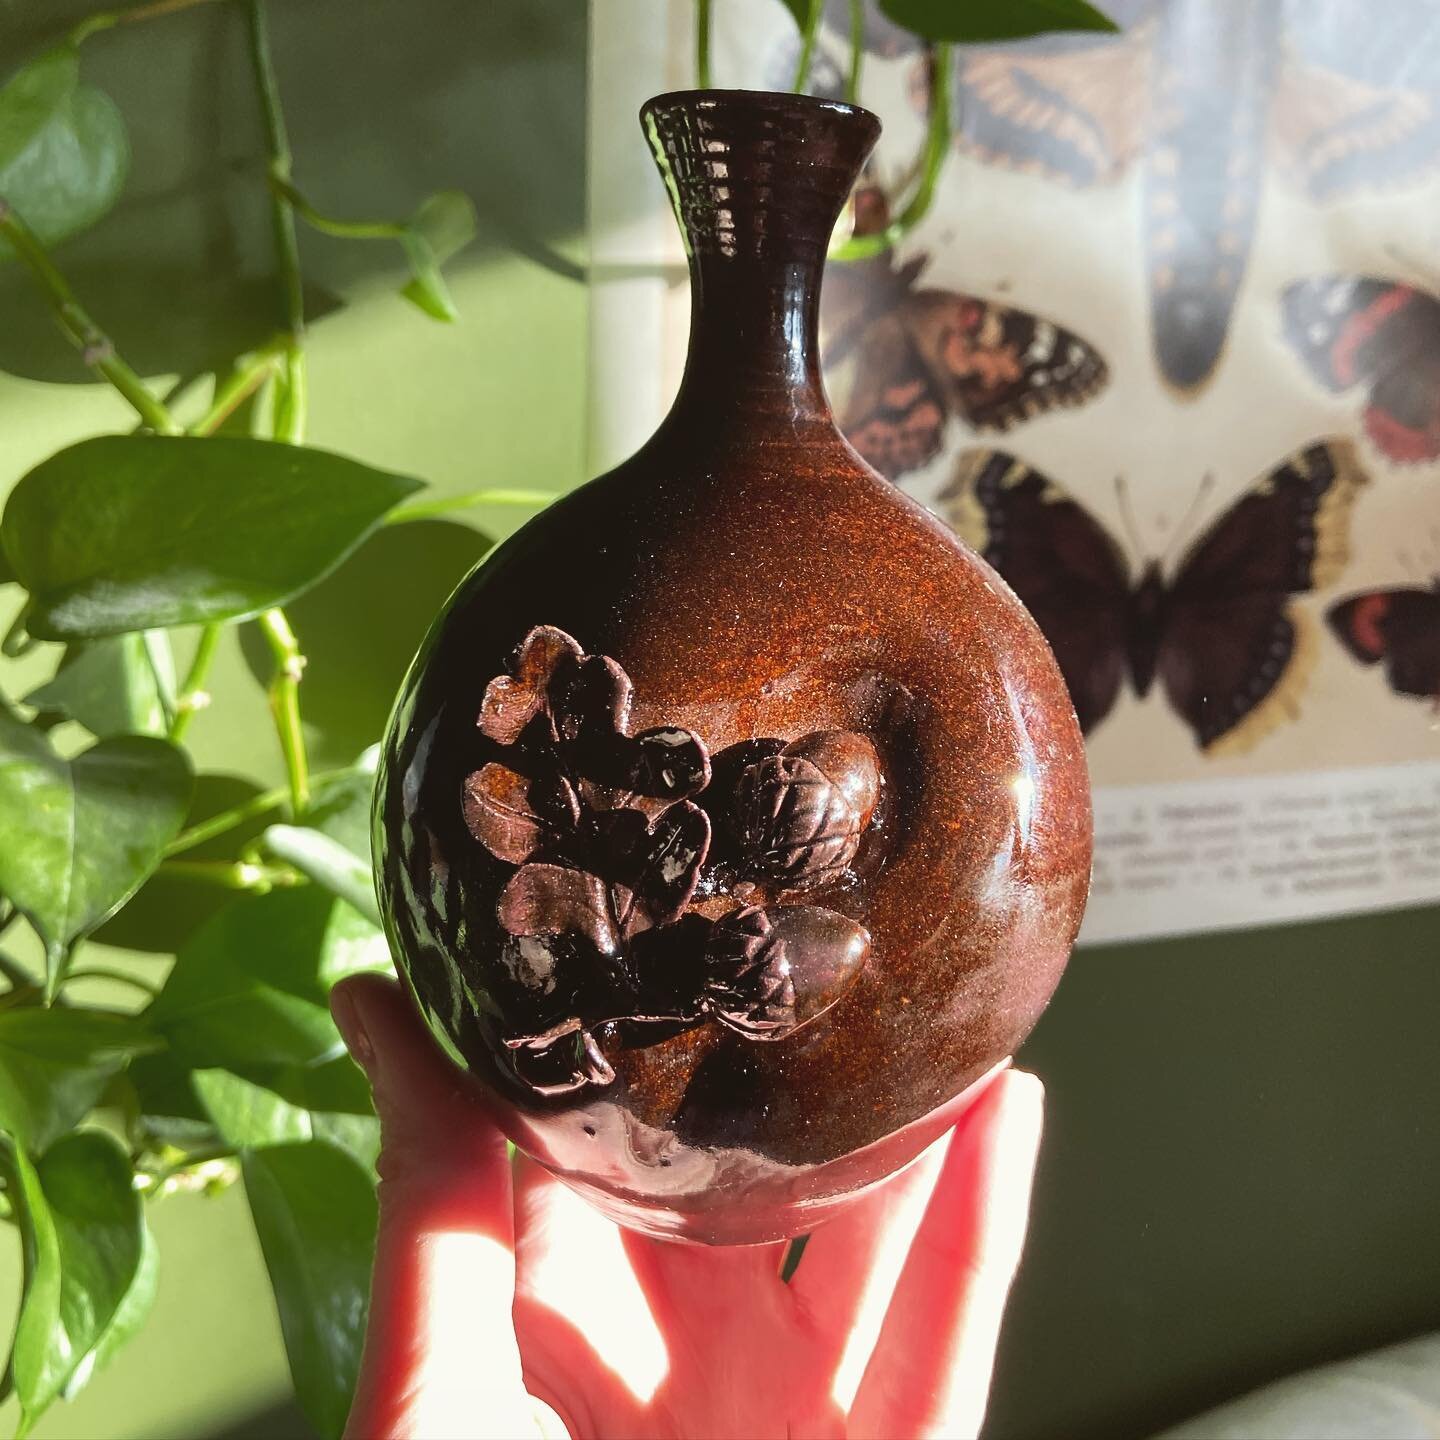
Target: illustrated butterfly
[(1218, 631), (1200, 95), (916, 356), (1360, 330), (1400, 627)]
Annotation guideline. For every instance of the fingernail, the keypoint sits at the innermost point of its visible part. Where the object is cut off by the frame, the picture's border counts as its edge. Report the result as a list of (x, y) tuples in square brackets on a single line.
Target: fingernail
[(346, 1014)]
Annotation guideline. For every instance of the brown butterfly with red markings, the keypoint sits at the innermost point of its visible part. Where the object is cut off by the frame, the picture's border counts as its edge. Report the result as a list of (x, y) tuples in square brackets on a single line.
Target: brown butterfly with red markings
[(1400, 627), (1361, 330), (1218, 631), (917, 356)]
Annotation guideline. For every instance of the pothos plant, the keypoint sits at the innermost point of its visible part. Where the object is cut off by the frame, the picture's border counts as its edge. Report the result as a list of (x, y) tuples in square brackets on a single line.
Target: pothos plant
[(119, 551)]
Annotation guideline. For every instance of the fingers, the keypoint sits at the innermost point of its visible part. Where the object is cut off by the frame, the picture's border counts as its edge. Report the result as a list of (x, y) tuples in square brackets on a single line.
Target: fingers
[(590, 1343), (929, 1374), (440, 1354), (852, 1264)]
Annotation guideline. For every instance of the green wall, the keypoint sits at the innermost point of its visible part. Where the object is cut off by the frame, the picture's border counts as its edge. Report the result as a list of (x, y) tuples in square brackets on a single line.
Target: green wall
[(386, 102)]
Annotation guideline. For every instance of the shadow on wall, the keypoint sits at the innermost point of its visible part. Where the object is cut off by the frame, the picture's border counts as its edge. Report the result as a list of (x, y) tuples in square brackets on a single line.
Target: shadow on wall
[(165, 272)]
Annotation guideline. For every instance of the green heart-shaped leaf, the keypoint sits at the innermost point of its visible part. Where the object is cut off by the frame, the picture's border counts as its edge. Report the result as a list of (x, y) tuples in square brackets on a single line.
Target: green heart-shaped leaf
[(443, 224), (140, 532), (315, 1213), (84, 1236), (133, 1311), (54, 1064), (63, 151), (77, 836), (249, 989), (968, 22), (108, 686), (328, 863), (293, 1103)]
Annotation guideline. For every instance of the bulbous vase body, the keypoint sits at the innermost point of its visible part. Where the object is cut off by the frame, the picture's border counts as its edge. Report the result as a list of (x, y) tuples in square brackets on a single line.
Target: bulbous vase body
[(733, 821)]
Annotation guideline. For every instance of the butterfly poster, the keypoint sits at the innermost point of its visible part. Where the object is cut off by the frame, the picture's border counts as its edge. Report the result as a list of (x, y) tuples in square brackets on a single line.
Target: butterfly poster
[(1165, 350)]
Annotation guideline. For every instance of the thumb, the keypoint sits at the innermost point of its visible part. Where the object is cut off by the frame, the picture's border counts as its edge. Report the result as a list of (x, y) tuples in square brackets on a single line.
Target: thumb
[(440, 1353)]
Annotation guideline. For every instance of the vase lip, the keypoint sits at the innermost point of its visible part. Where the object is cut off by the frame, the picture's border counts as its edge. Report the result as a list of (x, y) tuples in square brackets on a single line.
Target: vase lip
[(779, 101)]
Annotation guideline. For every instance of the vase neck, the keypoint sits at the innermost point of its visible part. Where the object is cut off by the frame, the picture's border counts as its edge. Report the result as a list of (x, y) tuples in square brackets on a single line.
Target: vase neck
[(757, 181)]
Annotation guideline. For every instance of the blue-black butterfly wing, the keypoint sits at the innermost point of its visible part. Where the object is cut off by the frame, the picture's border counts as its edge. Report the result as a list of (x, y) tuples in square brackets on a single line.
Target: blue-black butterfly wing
[(1059, 560), (1234, 654)]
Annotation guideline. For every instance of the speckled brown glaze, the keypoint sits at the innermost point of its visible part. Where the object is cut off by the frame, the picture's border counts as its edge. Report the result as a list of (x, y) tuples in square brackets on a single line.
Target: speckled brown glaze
[(755, 579)]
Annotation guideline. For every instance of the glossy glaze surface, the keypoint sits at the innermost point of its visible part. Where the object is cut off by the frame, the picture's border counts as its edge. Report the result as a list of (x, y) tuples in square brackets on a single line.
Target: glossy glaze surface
[(753, 579)]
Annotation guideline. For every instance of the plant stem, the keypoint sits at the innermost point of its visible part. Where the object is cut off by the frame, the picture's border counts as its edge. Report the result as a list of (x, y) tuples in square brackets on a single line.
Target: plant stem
[(96, 348), (285, 704), (193, 696), (290, 399), (107, 19), (239, 386), (424, 509), (807, 46), (250, 809), (103, 972), (857, 50), (329, 225), (156, 645), (234, 874), (937, 147), (702, 44), (287, 249)]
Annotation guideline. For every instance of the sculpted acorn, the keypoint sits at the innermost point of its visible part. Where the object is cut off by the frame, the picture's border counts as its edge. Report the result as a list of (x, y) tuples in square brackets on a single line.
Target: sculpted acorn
[(733, 824)]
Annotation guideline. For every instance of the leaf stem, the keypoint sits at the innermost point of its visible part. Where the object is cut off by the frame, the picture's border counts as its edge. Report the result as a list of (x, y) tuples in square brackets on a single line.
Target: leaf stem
[(234, 874), (239, 386), (290, 397), (107, 19), (329, 225), (251, 809), (96, 348), (857, 51), (193, 696), (702, 44), (807, 46), (156, 645), (285, 703), (937, 147), (425, 509), (277, 139)]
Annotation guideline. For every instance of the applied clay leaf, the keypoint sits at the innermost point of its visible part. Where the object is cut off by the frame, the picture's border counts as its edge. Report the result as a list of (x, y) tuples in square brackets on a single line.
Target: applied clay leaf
[(657, 867), (771, 971), (799, 815), (511, 702), (667, 762), (590, 700), (511, 814), (554, 900)]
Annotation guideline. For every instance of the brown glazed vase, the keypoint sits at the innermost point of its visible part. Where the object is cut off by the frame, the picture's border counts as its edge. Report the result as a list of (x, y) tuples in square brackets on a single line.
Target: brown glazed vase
[(733, 821)]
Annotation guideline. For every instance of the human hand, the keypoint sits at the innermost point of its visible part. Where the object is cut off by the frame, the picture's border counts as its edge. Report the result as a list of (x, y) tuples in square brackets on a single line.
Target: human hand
[(504, 1306)]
